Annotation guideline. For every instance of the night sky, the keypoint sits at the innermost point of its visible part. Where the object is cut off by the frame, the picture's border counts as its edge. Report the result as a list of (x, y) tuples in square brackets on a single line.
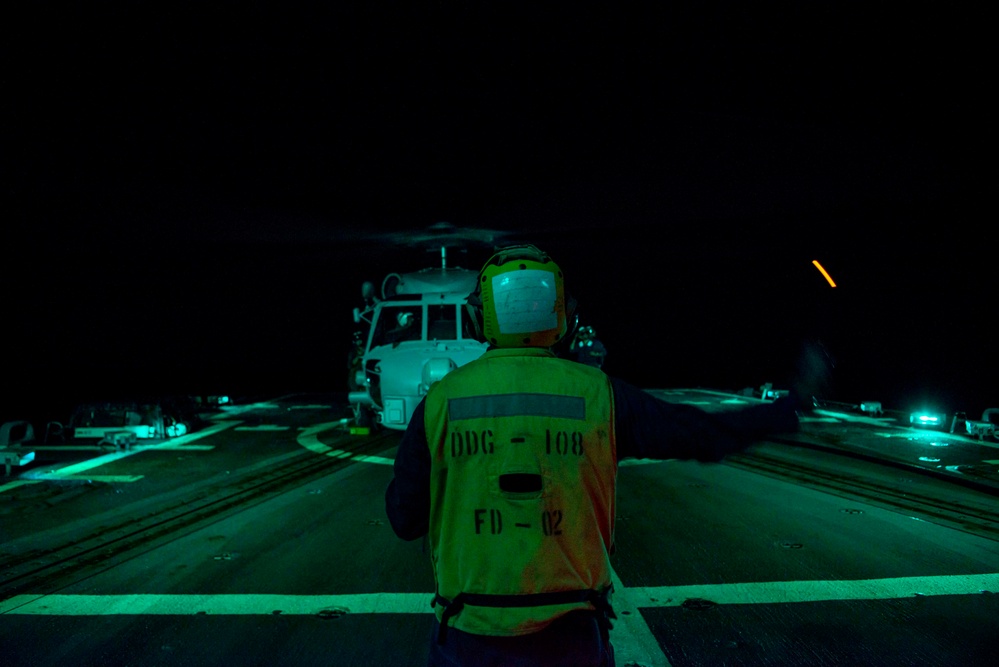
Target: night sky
[(195, 196)]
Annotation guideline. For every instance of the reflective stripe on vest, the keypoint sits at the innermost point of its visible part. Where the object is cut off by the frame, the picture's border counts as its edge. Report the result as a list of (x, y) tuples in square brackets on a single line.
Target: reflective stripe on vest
[(523, 472), (516, 405)]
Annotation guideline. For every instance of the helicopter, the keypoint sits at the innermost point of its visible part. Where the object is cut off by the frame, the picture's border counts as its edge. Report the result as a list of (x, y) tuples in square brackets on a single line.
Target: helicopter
[(415, 331)]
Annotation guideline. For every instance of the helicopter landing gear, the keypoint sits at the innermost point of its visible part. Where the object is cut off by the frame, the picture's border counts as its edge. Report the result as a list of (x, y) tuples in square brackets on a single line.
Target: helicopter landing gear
[(364, 417)]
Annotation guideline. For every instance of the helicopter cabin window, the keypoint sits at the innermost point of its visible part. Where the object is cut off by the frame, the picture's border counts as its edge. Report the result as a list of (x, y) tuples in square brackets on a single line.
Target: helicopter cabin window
[(442, 322), (397, 324)]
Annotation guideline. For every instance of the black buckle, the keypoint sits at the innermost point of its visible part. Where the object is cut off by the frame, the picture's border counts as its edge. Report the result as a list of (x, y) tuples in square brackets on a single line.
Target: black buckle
[(451, 607), (601, 602)]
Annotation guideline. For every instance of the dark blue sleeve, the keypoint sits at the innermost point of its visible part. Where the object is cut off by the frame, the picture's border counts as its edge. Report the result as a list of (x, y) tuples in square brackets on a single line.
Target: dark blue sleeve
[(647, 427), (407, 498)]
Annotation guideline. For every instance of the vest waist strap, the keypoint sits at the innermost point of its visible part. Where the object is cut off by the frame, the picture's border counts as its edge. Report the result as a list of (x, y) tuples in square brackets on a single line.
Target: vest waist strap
[(599, 599)]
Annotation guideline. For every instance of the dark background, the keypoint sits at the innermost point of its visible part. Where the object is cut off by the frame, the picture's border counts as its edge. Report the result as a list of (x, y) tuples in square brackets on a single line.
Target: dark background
[(196, 194)]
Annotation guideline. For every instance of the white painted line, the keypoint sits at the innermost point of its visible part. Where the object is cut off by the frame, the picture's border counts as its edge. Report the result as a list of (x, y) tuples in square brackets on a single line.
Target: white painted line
[(857, 419), (16, 483), (203, 433), (60, 476), (109, 479), (708, 392), (627, 599), (234, 410), (776, 592), (80, 467), (171, 447), (984, 443), (380, 460), (309, 438), (69, 448), (824, 420), (170, 444), (640, 462), (238, 604), (262, 427), (934, 437), (633, 641)]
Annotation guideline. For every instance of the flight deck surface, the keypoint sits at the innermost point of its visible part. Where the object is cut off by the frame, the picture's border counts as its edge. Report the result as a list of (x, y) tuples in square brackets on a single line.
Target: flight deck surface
[(261, 538)]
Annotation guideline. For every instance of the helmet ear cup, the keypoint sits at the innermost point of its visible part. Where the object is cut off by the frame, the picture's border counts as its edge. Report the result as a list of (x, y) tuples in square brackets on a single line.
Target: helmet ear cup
[(571, 318), (472, 324)]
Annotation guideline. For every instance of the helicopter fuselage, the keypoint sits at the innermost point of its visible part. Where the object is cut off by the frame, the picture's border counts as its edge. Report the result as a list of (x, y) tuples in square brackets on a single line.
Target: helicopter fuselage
[(416, 336)]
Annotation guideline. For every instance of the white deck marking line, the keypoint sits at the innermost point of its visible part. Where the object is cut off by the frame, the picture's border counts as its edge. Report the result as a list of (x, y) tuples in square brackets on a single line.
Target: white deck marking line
[(16, 483), (224, 604), (857, 419), (172, 447), (633, 641), (59, 475), (68, 448), (203, 433), (825, 420), (234, 410), (639, 597), (936, 437), (309, 438), (777, 592), (262, 427), (709, 392), (640, 462), (70, 471)]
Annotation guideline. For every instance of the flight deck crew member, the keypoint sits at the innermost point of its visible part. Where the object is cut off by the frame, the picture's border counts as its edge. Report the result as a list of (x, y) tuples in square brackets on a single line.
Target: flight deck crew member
[(509, 466), (587, 349)]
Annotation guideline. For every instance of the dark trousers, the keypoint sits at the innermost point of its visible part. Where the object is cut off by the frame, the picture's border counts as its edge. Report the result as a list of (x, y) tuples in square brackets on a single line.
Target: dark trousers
[(574, 640)]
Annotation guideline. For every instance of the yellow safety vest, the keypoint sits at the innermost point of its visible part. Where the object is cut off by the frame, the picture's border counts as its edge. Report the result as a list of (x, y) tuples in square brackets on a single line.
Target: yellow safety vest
[(522, 488)]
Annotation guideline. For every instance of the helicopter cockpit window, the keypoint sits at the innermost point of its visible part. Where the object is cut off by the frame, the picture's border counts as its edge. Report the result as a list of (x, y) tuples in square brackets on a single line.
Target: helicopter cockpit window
[(442, 322), (397, 324)]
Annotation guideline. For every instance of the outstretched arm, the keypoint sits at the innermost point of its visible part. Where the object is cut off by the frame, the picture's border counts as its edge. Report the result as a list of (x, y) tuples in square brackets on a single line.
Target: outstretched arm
[(647, 427)]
